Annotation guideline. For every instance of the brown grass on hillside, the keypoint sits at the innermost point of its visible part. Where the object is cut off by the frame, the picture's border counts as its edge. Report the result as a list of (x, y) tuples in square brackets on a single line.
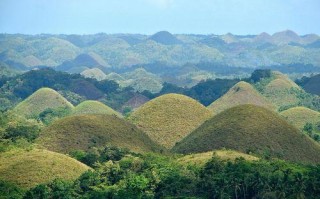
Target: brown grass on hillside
[(28, 168), (241, 93), (84, 131), (249, 128), (169, 118)]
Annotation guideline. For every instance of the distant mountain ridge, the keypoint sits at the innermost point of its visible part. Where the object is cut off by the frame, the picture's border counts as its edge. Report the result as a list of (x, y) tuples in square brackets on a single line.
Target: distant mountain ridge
[(124, 50)]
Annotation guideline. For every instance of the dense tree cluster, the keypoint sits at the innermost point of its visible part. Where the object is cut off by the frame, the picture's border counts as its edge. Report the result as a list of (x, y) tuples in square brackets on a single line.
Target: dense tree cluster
[(158, 176)]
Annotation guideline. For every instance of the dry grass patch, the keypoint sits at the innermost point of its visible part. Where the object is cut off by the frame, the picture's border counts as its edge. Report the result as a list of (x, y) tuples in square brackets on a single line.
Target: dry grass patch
[(249, 128), (94, 107), (169, 118), (84, 131), (29, 168), (241, 93), (300, 116), (41, 100)]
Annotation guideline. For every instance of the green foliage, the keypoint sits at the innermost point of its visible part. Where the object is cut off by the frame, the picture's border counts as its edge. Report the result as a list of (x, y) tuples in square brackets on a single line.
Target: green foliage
[(158, 176), (29, 132), (55, 189), (102, 154), (10, 191), (259, 74), (51, 114)]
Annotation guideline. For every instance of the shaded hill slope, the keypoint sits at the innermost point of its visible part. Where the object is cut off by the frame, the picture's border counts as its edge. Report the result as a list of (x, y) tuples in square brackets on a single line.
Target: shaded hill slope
[(84, 131), (249, 128)]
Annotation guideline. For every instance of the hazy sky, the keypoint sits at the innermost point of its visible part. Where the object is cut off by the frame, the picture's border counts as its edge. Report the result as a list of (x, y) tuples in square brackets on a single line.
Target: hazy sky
[(150, 16)]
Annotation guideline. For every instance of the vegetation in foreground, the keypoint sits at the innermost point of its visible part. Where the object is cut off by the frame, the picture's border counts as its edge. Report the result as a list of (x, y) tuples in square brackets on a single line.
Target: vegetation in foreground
[(158, 176)]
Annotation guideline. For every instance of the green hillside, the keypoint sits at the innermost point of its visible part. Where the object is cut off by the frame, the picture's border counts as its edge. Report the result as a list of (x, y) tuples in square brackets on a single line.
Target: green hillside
[(281, 91), (249, 128), (169, 118), (27, 168), (284, 93), (39, 101), (84, 131), (300, 116), (94, 107), (241, 93)]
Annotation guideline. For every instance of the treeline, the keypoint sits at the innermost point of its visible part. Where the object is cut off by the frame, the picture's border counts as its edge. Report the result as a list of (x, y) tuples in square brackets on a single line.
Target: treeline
[(74, 87), (122, 175)]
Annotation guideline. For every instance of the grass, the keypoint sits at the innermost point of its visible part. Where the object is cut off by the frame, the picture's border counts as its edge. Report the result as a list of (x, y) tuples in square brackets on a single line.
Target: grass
[(299, 116), (84, 131), (94, 107), (251, 129), (282, 91), (41, 100), (95, 73), (241, 93), (169, 118), (201, 158), (27, 168)]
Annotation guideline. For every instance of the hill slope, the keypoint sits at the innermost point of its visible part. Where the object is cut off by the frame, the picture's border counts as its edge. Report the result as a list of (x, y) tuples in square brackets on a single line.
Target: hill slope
[(249, 128), (299, 116), (169, 118), (29, 168), (201, 158), (84, 131), (41, 100), (241, 93), (311, 84), (283, 92), (165, 38), (94, 107), (95, 73)]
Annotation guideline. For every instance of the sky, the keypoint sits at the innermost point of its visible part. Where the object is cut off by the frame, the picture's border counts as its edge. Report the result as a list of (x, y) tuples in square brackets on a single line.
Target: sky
[(241, 17)]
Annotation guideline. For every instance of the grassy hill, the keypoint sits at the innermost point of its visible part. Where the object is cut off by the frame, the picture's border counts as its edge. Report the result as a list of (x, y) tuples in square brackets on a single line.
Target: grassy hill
[(299, 116), (41, 100), (249, 128), (94, 107), (169, 118), (95, 73), (241, 93), (27, 168), (165, 38), (284, 93), (84, 131), (201, 158), (311, 84)]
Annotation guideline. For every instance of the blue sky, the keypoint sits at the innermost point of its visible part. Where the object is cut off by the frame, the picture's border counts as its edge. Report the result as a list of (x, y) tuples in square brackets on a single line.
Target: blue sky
[(150, 16)]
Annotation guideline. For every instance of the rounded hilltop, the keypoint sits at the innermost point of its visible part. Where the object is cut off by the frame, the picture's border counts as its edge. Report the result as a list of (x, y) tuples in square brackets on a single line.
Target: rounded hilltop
[(169, 118), (250, 128), (80, 132)]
